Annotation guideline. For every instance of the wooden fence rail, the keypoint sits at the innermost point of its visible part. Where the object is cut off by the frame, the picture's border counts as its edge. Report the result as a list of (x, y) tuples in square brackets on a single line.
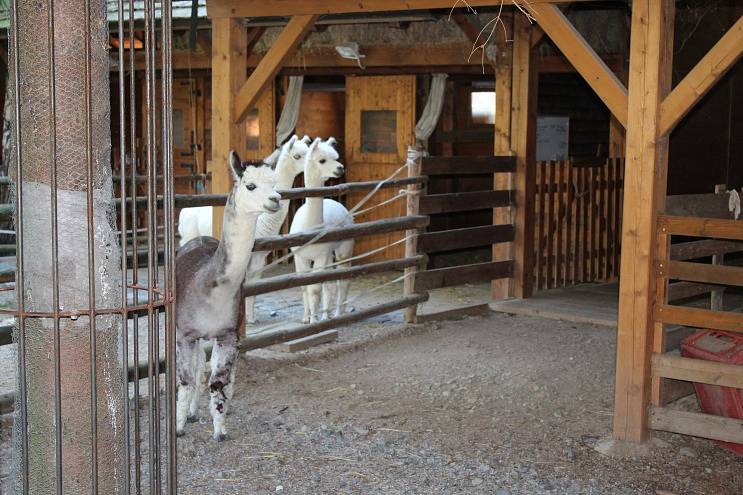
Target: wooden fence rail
[(462, 238), (692, 278), (578, 219)]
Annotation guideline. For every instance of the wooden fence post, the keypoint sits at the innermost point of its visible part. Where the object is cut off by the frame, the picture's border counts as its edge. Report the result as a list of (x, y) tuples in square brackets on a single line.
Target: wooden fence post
[(415, 157), (523, 141)]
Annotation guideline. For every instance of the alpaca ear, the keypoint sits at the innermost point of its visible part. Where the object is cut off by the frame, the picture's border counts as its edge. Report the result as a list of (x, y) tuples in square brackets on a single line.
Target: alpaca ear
[(314, 145), (306, 139), (236, 166), (331, 141), (292, 141)]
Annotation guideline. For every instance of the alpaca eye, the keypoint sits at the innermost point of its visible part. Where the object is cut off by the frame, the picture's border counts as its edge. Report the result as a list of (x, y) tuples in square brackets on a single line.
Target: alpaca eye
[(250, 186), (323, 160), (297, 156)]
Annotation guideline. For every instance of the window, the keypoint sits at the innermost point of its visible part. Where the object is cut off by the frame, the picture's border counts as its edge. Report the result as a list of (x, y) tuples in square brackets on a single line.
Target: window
[(252, 130), (483, 107), (379, 131), (179, 138)]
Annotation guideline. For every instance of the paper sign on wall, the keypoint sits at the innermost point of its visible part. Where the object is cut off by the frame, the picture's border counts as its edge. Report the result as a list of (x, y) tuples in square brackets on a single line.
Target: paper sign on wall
[(552, 137)]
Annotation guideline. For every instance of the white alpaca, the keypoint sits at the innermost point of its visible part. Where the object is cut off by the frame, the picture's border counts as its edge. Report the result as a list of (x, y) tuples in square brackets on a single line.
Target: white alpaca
[(289, 164), (321, 164), (197, 221)]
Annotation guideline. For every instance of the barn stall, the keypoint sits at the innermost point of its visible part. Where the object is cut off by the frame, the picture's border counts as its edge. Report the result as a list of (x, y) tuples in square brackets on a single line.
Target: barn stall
[(524, 190)]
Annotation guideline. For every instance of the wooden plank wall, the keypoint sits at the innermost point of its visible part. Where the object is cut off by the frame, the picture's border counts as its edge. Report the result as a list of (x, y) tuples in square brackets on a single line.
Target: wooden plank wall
[(578, 221)]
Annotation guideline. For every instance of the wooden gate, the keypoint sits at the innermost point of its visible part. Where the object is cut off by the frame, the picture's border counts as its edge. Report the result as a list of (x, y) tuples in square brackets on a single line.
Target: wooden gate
[(380, 119), (578, 222)]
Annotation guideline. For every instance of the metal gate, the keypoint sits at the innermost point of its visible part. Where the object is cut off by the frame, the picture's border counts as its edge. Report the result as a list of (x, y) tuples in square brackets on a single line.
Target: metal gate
[(89, 289)]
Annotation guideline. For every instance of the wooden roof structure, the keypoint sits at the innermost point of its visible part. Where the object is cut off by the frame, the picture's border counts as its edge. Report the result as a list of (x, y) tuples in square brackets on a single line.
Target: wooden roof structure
[(646, 106)]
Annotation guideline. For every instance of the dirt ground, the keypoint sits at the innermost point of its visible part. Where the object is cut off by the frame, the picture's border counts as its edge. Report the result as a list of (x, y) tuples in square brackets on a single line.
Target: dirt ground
[(490, 405)]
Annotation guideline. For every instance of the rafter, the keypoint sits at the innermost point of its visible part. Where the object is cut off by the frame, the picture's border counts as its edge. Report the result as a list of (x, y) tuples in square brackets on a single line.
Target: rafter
[(585, 60), (265, 8), (713, 66), (269, 66)]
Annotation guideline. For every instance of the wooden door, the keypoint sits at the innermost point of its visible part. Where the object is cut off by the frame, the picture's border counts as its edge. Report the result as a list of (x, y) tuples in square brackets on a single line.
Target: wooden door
[(188, 134), (380, 124)]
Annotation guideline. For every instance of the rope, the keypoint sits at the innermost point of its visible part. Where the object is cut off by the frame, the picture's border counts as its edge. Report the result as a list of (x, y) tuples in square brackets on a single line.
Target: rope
[(325, 227)]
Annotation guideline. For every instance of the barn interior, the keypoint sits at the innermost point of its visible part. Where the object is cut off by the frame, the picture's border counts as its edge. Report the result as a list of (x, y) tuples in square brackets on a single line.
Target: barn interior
[(544, 218)]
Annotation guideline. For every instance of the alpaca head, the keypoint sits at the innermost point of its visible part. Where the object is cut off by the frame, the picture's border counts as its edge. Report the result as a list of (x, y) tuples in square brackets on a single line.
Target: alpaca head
[(291, 158), (253, 186), (322, 162)]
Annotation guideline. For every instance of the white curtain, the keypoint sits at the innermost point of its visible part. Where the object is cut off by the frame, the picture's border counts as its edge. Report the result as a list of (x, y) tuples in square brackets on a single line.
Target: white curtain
[(290, 112), (430, 117)]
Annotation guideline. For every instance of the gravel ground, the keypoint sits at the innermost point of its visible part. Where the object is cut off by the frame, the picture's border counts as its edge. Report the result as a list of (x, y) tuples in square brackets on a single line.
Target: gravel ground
[(493, 405), (489, 405)]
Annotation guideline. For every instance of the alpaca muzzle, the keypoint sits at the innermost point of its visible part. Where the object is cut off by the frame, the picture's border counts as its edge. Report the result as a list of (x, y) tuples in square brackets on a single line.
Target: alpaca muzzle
[(273, 204)]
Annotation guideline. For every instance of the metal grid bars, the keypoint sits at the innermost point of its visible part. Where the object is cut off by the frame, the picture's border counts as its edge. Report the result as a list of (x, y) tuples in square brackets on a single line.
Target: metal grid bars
[(88, 291)]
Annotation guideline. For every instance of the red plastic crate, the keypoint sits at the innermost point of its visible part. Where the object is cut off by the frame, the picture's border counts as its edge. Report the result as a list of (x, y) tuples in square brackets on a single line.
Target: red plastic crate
[(723, 347)]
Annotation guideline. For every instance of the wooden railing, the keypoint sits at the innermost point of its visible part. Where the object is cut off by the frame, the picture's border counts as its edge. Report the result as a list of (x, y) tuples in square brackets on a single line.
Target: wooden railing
[(471, 237), (722, 236), (578, 220)]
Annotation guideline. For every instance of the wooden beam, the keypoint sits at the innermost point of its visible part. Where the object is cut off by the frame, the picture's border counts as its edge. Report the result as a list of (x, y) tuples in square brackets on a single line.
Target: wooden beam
[(700, 318), (697, 424), (585, 60), (228, 73), (503, 288), (268, 8), (701, 227), (697, 370), (380, 56), (524, 89), (713, 66), (269, 66), (644, 197), (254, 35)]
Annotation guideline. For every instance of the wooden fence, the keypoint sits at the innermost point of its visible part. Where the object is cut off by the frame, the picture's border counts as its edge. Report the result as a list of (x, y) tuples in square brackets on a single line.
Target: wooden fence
[(714, 237), (578, 222), (434, 204)]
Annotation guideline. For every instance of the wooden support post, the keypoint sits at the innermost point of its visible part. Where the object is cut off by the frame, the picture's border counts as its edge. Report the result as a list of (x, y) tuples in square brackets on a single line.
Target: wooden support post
[(713, 66), (523, 141), (503, 288), (716, 297), (229, 41), (411, 243), (585, 60), (644, 198), (269, 66), (617, 132)]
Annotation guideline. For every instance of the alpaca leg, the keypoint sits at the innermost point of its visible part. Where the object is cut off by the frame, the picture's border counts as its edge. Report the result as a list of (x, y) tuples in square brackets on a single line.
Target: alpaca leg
[(316, 290), (329, 297), (224, 354), (303, 265), (344, 252), (257, 262), (199, 359), (229, 389), (186, 381)]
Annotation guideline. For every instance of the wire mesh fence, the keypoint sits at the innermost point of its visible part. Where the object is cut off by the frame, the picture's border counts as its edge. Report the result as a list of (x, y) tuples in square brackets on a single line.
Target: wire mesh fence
[(91, 298)]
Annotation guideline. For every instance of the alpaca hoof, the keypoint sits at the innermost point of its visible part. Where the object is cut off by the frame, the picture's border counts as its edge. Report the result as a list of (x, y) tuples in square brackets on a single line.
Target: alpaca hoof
[(192, 418), (220, 437), (305, 321), (180, 433)]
